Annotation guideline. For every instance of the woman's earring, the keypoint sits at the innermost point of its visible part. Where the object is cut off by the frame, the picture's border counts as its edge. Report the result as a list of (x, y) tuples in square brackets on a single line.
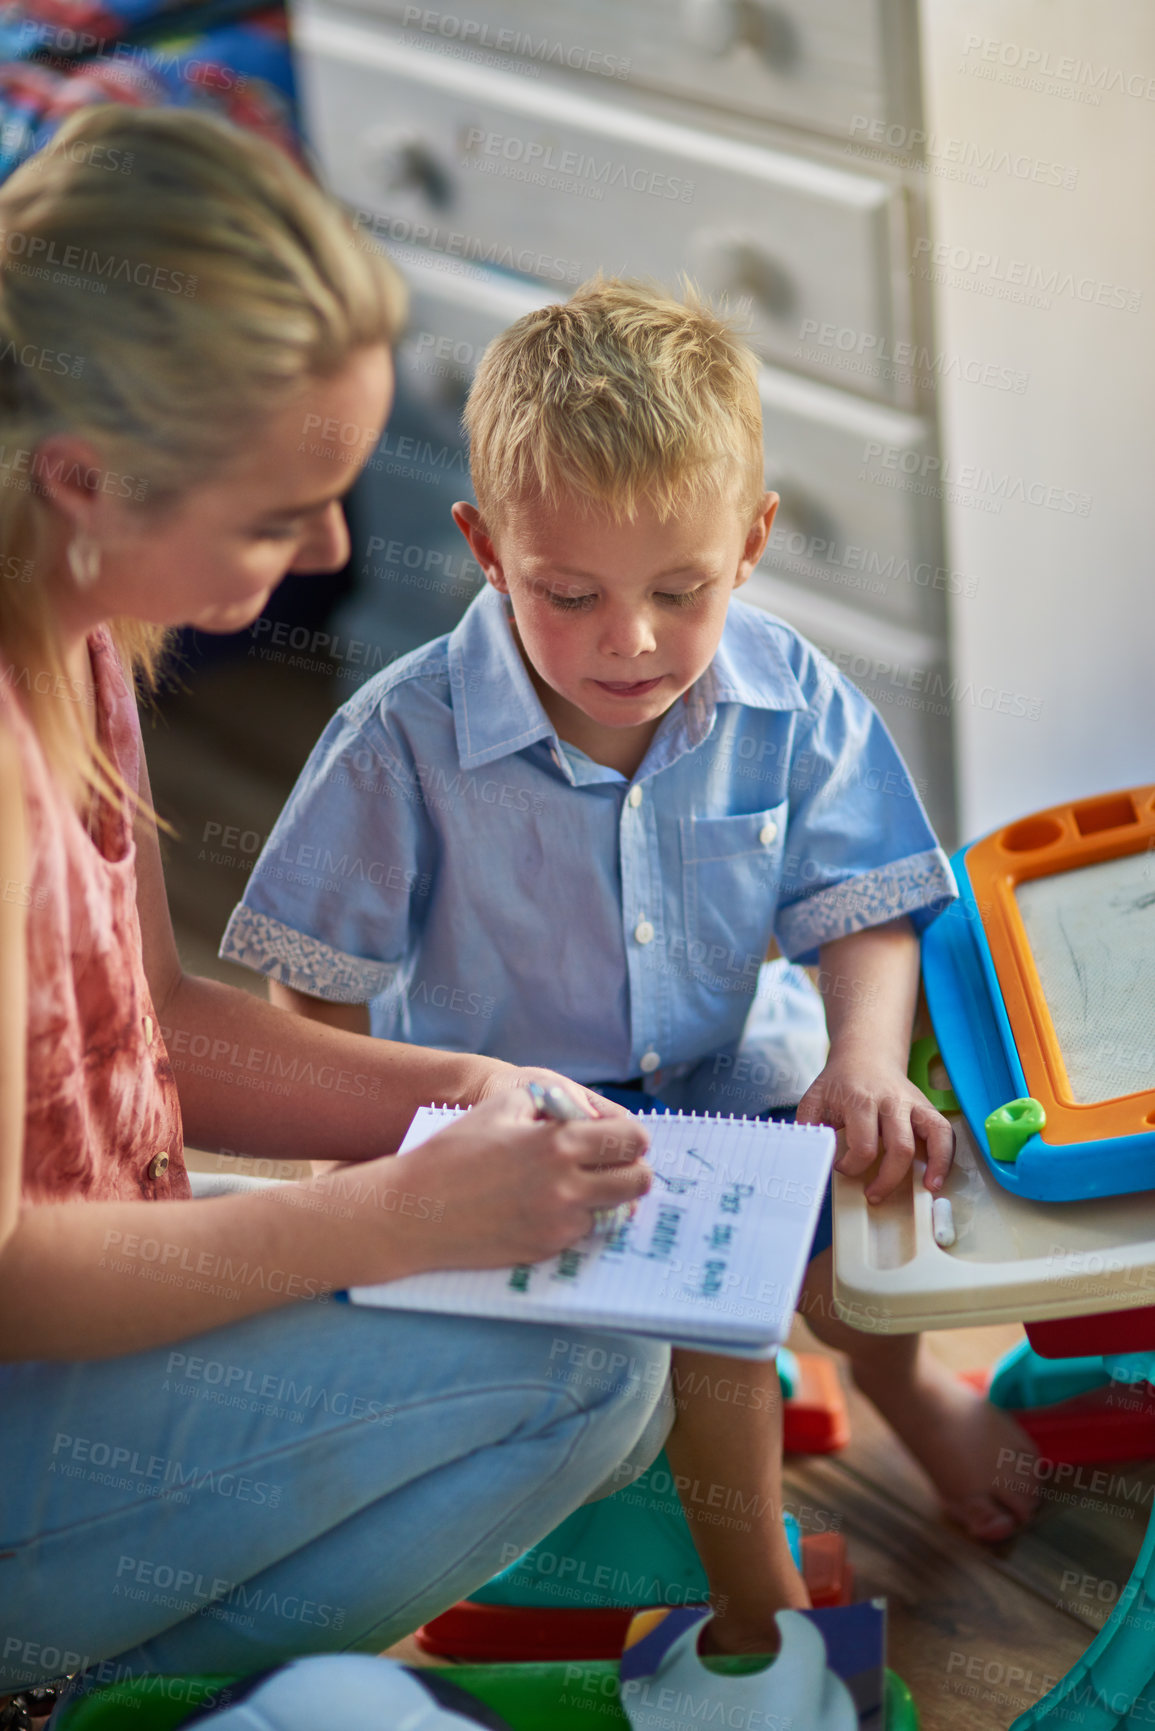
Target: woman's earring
[(83, 560)]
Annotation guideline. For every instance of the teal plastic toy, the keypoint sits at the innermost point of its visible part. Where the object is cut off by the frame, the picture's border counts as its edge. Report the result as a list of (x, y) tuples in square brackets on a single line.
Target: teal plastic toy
[(1112, 1687), (1023, 1380)]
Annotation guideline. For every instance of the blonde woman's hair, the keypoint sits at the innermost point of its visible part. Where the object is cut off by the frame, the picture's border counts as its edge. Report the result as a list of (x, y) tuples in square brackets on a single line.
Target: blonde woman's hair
[(167, 281), (621, 394)]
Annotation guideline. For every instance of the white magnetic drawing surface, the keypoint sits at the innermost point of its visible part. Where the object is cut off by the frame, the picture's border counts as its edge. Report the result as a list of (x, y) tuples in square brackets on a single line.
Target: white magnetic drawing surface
[(1092, 937)]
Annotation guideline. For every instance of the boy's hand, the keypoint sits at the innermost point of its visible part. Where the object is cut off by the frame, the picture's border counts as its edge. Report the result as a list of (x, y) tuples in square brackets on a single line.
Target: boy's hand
[(871, 1100)]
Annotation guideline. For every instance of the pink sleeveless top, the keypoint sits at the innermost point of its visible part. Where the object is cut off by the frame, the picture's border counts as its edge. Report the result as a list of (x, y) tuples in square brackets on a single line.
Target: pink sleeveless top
[(102, 1108)]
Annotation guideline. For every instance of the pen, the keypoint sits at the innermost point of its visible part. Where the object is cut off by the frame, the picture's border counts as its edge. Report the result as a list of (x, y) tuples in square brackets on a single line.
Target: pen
[(553, 1102)]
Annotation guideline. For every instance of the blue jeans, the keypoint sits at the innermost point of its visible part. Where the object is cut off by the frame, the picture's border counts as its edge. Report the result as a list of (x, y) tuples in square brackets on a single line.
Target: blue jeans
[(320, 1478)]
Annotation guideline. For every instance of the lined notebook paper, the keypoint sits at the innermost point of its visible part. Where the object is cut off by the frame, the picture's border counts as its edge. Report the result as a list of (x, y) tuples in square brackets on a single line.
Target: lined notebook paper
[(714, 1257)]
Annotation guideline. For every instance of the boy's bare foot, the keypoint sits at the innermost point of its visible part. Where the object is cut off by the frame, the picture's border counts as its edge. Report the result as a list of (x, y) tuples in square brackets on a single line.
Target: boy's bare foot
[(968, 1448)]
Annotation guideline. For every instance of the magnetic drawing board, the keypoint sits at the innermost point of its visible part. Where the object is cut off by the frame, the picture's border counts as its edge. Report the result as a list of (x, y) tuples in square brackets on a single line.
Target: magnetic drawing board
[(1041, 987)]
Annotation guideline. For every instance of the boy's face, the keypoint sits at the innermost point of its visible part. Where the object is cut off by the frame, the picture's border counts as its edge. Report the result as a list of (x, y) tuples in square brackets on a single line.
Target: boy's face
[(617, 620)]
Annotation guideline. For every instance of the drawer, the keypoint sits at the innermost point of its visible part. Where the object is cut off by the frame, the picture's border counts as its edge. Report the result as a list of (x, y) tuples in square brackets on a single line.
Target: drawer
[(820, 64), (553, 184), (838, 534), (455, 311)]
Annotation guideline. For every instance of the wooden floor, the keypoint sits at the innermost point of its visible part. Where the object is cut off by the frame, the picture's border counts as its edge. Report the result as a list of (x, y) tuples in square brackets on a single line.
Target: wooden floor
[(978, 1634)]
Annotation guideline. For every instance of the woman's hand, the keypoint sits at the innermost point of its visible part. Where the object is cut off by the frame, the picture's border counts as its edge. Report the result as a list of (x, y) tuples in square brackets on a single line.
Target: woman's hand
[(499, 1186), (499, 1082)]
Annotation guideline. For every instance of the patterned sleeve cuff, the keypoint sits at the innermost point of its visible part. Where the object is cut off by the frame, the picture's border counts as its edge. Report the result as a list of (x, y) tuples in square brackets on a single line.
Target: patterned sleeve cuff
[(918, 886), (302, 962)]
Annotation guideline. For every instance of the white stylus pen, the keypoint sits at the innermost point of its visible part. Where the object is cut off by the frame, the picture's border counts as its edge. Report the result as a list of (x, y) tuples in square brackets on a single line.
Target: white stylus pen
[(553, 1102)]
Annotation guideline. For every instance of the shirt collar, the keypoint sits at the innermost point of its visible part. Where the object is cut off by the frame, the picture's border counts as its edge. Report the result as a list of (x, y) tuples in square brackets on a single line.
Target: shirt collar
[(750, 665), (497, 712)]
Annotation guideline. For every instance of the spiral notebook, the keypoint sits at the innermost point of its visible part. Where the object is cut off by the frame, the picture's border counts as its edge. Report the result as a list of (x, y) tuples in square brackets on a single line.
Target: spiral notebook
[(714, 1257)]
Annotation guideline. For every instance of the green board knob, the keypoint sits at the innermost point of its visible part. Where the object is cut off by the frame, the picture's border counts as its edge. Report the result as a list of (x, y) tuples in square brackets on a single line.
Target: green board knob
[(1009, 1126)]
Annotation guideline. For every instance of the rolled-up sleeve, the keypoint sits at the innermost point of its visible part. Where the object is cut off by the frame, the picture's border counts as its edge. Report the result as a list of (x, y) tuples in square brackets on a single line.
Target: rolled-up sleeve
[(859, 847), (344, 874)]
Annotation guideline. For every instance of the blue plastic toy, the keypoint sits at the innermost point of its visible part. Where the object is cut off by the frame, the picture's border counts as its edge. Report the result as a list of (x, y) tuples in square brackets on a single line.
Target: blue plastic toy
[(998, 1021)]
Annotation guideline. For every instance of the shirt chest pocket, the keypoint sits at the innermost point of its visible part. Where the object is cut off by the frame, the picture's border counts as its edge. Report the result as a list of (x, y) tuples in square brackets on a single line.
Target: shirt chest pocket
[(731, 868)]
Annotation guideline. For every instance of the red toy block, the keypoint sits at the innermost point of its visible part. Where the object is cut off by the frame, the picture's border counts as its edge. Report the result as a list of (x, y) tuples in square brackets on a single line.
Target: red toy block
[(815, 1420), (1083, 1336), (1113, 1423), (491, 1634), (826, 1571)]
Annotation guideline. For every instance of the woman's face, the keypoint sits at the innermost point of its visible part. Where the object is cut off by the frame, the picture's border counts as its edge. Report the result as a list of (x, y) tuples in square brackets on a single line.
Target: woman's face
[(214, 559)]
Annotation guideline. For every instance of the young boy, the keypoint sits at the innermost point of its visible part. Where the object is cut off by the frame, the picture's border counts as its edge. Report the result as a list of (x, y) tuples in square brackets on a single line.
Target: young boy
[(568, 833)]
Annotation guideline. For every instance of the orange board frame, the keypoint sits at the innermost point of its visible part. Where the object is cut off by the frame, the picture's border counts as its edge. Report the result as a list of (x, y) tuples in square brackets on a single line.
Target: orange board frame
[(1060, 838)]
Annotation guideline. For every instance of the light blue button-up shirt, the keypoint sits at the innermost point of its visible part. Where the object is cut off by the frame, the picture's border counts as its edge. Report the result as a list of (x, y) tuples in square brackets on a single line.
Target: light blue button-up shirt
[(485, 887)]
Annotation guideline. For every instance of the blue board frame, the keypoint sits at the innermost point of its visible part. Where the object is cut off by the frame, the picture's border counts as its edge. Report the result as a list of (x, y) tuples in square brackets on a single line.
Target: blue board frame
[(978, 1048)]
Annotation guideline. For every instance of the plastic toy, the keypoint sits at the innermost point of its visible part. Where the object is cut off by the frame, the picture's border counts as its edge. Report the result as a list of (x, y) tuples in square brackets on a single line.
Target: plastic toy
[(1037, 979), (558, 1697), (663, 1679), (1074, 1412), (473, 1630), (1108, 1331), (1112, 1687), (1052, 1266)]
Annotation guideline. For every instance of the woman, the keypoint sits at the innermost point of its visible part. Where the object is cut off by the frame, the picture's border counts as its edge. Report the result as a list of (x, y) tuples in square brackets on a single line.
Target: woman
[(205, 1464)]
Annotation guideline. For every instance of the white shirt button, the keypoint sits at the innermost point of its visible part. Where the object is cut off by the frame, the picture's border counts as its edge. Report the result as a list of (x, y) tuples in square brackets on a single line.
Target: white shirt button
[(635, 797), (768, 833), (648, 1062), (644, 932), (158, 1165)]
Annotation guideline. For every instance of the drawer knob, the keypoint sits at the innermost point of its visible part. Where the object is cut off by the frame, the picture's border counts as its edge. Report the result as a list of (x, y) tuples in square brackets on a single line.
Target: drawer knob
[(710, 25), (801, 512), (404, 162), (719, 26), (772, 33), (739, 266)]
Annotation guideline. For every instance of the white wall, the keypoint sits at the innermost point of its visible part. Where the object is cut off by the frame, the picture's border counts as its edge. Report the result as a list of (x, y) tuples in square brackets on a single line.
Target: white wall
[(1064, 610)]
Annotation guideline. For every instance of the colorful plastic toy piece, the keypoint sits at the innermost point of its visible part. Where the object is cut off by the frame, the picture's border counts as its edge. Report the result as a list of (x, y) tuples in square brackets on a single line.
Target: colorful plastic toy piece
[(1109, 1331), (1074, 1410), (1024, 1379), (660, 1665), (1034, 979), (1009, 1127), (815, 1419), (1112, 1687), (474, 1631), (549, 1697), (923, 1053)]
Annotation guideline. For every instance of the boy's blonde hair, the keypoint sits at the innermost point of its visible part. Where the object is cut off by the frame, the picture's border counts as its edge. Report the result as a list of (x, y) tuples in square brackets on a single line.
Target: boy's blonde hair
[(167, 281), (620, 395)]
